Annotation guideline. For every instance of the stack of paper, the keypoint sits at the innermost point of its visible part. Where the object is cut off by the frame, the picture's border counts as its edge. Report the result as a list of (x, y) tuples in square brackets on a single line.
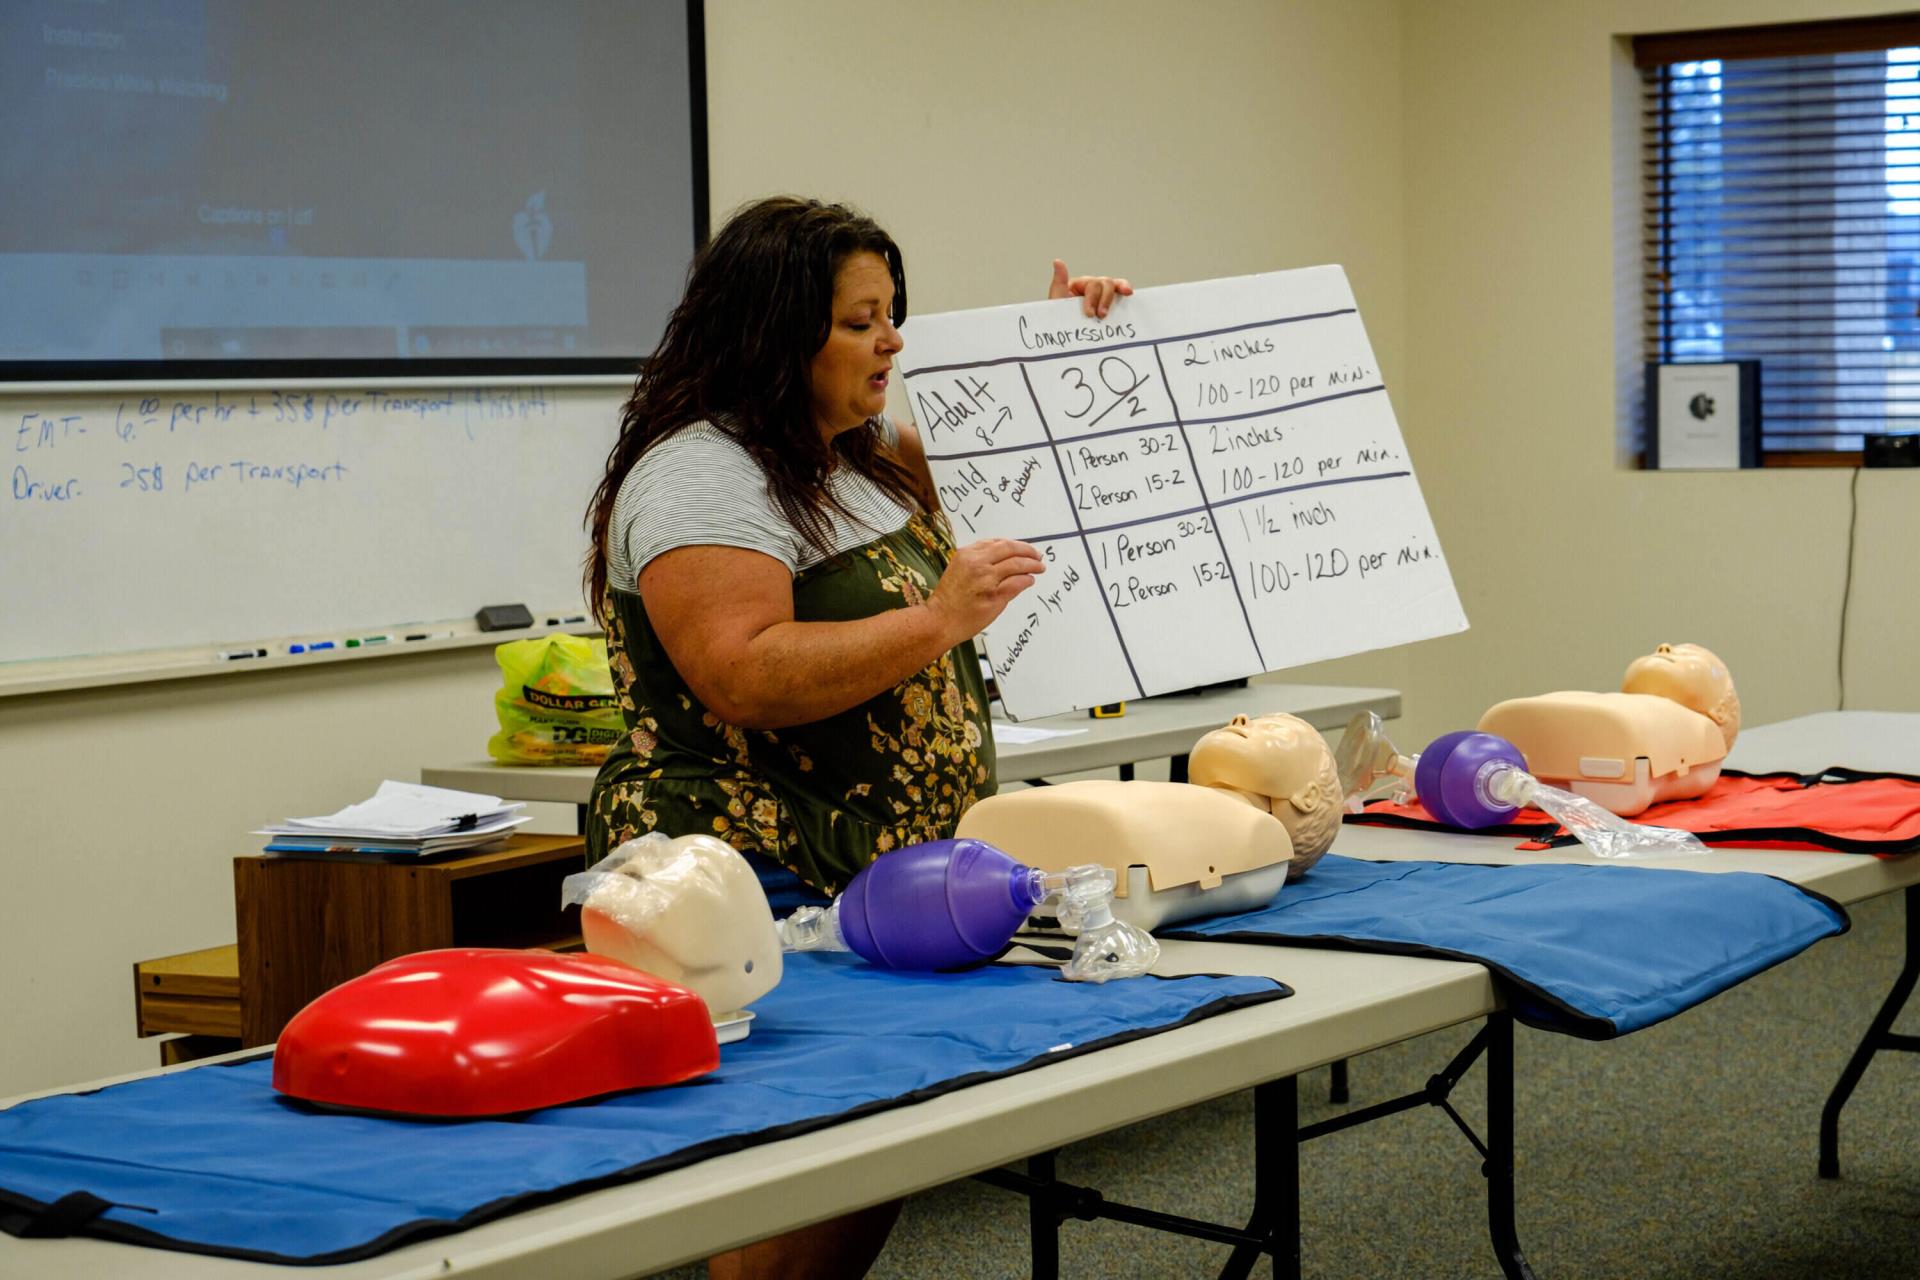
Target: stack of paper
[(401, 819)]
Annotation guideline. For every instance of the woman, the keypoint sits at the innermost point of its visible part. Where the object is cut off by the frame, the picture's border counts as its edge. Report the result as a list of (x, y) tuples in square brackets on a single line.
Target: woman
[(789, 622)]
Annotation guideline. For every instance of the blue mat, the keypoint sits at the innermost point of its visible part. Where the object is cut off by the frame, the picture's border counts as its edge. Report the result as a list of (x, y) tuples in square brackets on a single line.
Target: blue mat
[(1592, 951), (213, 1161)]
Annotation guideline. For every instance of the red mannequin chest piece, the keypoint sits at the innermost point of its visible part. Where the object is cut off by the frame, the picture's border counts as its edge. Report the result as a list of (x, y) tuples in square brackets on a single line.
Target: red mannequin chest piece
[(484, 1031)]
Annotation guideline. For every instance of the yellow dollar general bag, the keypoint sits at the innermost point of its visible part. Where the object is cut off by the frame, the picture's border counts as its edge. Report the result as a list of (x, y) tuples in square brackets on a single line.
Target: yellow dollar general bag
[(556, 703)]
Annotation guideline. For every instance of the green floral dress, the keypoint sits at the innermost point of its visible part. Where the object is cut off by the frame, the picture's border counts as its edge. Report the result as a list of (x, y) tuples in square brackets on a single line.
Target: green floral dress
[(821, 799)]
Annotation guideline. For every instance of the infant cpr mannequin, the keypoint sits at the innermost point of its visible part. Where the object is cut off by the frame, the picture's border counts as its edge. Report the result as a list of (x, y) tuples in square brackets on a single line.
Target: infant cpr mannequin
[(1177, 850), (1280, 764), (689, 910), (1692, 676), (1661, 738)]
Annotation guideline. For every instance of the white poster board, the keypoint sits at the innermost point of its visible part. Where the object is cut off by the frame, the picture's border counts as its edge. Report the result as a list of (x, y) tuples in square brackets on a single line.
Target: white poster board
[(1213, 473)]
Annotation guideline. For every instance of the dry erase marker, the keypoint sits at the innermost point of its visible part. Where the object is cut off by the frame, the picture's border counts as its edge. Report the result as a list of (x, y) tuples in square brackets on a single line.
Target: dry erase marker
[(234, 655), (566, 622), (313, 647), (431, 635), (362, 642)]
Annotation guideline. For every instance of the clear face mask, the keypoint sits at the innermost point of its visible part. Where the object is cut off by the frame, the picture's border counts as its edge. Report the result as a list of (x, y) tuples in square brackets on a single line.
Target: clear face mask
[(689, 910)]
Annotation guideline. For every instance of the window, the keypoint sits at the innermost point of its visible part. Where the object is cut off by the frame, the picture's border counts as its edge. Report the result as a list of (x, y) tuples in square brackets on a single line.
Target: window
[(1782, 221)]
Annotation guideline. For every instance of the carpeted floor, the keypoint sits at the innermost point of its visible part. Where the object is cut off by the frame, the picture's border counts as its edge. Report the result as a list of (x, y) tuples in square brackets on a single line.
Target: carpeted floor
[(1684, 1151)]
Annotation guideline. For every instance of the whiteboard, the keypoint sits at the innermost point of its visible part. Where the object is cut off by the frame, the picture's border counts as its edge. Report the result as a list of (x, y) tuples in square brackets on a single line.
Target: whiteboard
[(157, 520), (1213, 473)]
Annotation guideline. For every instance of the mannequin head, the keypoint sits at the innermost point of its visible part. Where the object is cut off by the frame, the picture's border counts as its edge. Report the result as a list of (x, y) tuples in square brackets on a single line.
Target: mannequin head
[(1279, 763), (688, 910), (1691, 676)]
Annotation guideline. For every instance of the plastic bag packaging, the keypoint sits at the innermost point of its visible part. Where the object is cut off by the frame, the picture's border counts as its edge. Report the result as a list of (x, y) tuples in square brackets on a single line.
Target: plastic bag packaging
[(1606, 833), (689, 910), (555, 703)]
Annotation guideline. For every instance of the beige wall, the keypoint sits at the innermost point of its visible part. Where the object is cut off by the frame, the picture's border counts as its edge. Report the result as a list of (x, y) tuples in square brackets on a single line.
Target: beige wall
[(1455, 157), (124, 809), (1568, 562), (1166, 142)]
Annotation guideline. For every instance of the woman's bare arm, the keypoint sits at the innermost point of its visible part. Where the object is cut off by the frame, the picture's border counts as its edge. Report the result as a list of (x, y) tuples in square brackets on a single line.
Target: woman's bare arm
[(725, 616)]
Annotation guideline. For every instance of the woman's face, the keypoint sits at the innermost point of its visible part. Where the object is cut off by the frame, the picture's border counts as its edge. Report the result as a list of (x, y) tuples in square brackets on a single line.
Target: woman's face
[(849, 374)]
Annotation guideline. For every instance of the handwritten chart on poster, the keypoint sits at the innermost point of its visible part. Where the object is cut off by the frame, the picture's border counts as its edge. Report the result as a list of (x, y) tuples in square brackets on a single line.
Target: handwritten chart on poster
[(1213, 473)]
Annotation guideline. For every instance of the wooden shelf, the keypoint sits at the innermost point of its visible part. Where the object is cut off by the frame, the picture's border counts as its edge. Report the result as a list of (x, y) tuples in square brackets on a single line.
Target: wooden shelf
[(196, 992), (309, 924)]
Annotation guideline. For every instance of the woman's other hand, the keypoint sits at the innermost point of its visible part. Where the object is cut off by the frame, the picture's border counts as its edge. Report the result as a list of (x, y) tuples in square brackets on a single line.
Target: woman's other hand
[(980, 579), (1096, 293)]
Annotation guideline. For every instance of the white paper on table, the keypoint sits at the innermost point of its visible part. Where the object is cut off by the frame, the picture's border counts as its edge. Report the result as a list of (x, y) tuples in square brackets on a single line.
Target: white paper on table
[(410, 809), (282, 839), (1213, 473), (1016, 733)]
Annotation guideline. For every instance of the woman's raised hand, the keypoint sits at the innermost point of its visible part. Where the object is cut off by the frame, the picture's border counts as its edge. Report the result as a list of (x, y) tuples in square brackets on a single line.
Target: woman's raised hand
[(1096, 293), (980, 579)]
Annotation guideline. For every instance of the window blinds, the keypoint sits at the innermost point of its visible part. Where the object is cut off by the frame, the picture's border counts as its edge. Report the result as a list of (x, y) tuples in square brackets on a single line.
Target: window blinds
[(1782, 220)]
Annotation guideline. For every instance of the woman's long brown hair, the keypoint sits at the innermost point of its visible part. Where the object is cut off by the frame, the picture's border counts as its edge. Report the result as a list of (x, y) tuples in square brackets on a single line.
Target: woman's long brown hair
[(737, 353)]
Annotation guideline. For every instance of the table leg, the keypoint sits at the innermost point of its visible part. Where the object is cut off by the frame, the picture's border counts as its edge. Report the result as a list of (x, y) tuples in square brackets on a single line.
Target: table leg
[(1043, 1220), (1274, 1225), (579, 819), (1337, 1087), (1276, 1183), (1880, 1035), (1499, 1156), (1274, 1228), (1495, 1041), (1177, 768)]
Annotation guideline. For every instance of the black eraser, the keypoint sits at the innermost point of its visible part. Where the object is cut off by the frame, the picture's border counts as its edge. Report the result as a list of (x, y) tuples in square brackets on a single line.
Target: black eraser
[(503, 617)]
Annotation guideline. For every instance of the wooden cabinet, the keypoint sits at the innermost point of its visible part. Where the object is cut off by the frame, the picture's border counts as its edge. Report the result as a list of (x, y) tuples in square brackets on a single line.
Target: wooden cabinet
[(308, 924), (196, 994)]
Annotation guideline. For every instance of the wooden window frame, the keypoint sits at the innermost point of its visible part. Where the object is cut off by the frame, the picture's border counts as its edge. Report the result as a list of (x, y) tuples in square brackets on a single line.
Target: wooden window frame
[(1781, 40)]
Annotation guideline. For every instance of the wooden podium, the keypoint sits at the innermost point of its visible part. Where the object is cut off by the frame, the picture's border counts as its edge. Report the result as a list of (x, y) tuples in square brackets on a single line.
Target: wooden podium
[(309, 924)]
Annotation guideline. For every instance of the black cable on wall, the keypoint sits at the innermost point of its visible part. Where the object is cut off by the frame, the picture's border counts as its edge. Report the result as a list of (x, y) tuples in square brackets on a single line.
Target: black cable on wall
[(1846, 590)]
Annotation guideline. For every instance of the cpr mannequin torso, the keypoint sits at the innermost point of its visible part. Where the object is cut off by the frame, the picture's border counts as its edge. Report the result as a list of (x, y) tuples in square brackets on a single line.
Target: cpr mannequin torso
[(1177, 850), (1262, 804), (1662, 737)]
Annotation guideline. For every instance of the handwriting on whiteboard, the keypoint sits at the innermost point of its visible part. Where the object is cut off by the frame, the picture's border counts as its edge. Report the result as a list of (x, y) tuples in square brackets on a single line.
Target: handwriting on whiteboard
[(249, 439)]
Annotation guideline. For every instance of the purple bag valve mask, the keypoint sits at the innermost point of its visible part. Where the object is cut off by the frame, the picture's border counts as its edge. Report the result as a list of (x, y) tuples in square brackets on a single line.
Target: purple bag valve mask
[(1472, 780), (947, 904)]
